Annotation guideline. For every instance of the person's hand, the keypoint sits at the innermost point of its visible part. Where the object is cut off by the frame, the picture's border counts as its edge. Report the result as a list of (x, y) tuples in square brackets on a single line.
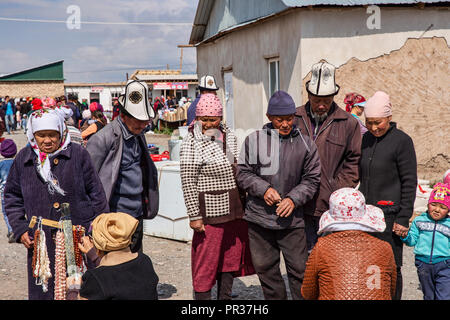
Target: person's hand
[(197, 225), (285, 208), (400, 230), (271, 197), (73, 282), (26, 241), (85, 244)]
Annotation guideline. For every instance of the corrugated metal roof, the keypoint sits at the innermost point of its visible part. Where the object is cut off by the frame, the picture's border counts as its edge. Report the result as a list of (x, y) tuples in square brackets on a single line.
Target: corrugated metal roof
[(303, 3), (234, 18), (167, 77), (49, 72), (201, 20)]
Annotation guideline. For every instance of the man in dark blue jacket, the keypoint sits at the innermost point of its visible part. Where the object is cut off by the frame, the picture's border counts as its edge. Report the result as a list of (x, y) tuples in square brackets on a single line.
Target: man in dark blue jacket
[(278, 186)]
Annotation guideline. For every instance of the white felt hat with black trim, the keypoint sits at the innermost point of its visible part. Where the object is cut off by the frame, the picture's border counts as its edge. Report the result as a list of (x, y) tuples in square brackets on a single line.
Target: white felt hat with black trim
[(208, 83), (135, 100), (322, 81)]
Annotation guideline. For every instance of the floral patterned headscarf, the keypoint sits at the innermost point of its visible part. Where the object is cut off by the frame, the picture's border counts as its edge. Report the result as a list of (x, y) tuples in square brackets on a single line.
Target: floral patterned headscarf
[(352, 98), (47, 119)]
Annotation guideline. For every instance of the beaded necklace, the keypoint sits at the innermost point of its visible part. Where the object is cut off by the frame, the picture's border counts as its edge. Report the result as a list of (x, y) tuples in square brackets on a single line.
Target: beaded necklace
[(78, 233), (41, 262), (60, 267)]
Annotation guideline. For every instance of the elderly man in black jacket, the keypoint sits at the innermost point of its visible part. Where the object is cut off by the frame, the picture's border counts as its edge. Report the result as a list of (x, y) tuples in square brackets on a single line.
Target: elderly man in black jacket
[(278, 185)]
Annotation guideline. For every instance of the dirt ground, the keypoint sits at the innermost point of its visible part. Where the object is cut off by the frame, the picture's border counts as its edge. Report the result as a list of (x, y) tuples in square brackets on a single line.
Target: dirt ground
[(171, 260)]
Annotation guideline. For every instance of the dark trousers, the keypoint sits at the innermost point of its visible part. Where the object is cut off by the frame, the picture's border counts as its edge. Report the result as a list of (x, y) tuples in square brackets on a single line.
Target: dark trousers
[(311, 228), (265, 246), (138, 235), (224, 287), (434, 279), (398, 285)]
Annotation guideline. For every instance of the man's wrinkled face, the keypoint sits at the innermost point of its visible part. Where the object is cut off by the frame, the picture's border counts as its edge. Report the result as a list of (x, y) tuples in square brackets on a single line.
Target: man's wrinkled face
[(134, 125), (320, 105), (282, 123)]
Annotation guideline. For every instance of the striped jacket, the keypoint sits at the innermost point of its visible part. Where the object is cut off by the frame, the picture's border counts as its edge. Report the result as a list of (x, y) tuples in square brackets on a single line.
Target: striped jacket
[(207, 176)]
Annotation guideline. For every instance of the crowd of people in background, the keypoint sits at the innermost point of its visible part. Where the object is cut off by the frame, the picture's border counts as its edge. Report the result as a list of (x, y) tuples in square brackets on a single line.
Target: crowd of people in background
[(85, 119)]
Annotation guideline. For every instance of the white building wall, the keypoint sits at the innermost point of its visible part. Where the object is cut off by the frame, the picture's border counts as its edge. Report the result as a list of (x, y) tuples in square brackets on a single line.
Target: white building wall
[(105, 94), (304, 37)]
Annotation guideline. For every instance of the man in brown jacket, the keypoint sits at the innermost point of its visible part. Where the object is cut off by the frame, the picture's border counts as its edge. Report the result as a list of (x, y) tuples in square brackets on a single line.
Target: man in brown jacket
[(338, 139)]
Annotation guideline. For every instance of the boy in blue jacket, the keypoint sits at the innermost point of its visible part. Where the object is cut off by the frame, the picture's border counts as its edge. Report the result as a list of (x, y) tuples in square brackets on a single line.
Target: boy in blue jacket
[(429, 234)]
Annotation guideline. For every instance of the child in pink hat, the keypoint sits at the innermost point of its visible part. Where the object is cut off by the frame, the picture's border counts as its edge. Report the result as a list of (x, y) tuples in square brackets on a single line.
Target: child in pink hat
[(429, 234)]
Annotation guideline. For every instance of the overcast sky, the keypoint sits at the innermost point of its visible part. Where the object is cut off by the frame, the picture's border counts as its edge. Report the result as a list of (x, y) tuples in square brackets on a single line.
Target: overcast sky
[(103, 50)]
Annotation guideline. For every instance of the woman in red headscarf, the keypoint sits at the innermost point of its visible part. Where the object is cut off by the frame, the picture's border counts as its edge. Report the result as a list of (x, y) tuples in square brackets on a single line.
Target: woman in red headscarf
[(354, 103)]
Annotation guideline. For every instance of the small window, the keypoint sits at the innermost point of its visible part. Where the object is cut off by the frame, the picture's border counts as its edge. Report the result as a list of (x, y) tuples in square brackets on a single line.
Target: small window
[(274, 76)]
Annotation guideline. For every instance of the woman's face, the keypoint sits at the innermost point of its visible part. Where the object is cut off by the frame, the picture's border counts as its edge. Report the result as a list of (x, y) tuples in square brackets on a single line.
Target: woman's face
[(209, 123), (357, 110), (48, 141), (378, 126), (437, 210)]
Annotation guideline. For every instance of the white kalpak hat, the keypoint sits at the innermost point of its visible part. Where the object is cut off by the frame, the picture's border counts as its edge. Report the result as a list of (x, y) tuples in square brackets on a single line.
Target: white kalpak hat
[(208, 83), (135, 100), (322, 81)]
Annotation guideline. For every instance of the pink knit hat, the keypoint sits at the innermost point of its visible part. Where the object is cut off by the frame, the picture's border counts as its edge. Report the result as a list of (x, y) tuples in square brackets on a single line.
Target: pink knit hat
[(209, 105), (378, 106), (441, 194)]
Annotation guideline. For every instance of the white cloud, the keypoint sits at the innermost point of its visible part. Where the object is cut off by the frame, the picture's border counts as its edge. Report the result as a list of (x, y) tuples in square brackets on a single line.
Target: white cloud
[(14, 61)]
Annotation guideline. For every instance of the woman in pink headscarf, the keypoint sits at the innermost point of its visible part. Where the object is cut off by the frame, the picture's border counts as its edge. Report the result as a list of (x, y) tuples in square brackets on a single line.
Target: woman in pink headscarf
[(94, 106), (49, 103), (388, 174), (220, 247)]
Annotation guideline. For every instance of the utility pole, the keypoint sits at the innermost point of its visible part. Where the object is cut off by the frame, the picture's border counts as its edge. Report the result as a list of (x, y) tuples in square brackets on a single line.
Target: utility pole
[(181, 46)]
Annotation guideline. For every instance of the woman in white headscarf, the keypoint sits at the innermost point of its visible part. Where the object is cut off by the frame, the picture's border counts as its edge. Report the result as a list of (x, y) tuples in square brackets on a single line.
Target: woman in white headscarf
[(46, 173)]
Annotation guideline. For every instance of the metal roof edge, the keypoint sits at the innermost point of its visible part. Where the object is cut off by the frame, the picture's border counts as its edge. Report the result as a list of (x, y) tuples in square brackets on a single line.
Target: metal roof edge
[(307, 3), (197, 40), (223, 32), (242, 25), (202, 14), (31, 69)]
